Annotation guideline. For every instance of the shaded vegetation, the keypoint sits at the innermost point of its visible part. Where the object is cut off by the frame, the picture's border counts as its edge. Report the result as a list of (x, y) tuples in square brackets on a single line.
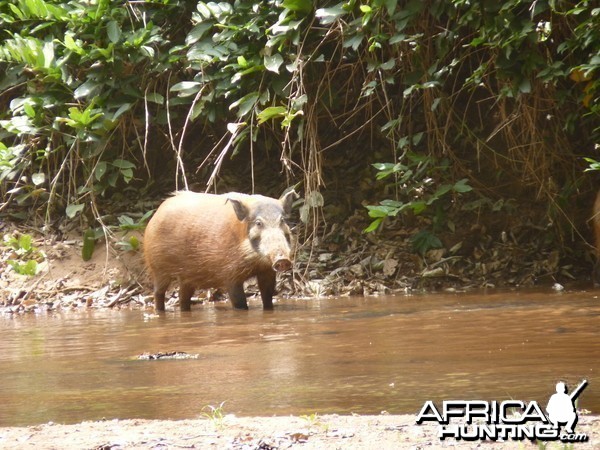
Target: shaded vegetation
[(465, 109)]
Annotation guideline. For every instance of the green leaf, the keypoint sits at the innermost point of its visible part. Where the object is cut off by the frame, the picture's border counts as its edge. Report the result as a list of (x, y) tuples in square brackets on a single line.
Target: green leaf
[(121, 110), (354, 41), (235, 127), (270, 113), (73, 209), (31, 267), (400, 37), (16, 11), (47, 60), (373, 226), (127, 175), (383, 166), (461, 186), (424, 241), (387, 169), (25, 243), (146, 216), (126, 222), (525, 86), (38, 178), (238, 75), (245, 104), (28, 268), (81, 119), (155, 97), (273, 62), (29, 110), (123, 164), (289, 117), (418, 206), (100, 170), (72, 45), (314, 199), (19, 125), (114, 31), (186, 88), (330, 15), (203, 10), (112, 179), (185, 85), (304, 211), (391, 6), (378, 211), (132, 244), (440, 191), (593, 164), (197, 32), (303, 6)]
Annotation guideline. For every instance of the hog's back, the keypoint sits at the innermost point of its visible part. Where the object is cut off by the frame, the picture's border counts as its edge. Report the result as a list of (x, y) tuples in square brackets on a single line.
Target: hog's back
[(197, 239)]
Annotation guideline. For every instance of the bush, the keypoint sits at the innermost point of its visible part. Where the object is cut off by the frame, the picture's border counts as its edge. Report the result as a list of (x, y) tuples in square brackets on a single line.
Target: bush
[(506, 92)]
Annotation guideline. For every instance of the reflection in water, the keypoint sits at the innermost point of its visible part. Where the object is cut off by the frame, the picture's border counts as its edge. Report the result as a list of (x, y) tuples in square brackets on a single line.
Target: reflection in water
[(335, 355)]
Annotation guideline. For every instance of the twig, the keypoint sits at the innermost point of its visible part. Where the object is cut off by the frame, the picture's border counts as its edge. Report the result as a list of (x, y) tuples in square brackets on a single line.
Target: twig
[(172, 142)]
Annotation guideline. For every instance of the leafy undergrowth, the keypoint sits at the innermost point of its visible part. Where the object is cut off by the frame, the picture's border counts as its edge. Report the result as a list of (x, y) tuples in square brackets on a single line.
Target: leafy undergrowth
[(342, 260), (480, 256)]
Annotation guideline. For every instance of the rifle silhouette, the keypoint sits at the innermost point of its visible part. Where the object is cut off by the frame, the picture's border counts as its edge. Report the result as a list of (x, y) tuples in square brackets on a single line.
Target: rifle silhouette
[(578, 390)]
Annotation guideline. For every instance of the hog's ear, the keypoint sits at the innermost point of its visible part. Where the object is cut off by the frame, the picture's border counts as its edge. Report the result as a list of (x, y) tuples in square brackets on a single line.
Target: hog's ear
[(286, 201), (241, 210)]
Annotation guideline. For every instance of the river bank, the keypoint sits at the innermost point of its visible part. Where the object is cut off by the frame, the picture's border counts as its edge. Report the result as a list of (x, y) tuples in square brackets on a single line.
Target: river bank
[(237, 433), (346, 262)]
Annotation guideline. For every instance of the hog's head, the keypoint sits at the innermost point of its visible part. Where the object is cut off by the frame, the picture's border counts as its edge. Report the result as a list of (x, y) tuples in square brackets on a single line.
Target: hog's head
[(268, 231)]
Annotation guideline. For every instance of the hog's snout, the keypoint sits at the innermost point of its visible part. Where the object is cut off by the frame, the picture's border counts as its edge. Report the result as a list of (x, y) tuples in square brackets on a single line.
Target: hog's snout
[(282, 265)]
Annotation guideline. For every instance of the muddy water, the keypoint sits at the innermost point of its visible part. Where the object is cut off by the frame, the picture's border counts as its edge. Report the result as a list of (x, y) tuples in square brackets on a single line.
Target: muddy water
[(362, 355)]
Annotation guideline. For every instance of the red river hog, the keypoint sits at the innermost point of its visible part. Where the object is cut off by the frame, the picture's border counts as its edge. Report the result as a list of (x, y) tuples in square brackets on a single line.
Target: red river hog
[(218, 241)]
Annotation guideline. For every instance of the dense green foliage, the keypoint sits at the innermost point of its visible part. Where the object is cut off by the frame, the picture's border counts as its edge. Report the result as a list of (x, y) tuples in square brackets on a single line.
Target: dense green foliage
[(442, 94), (24, 255)]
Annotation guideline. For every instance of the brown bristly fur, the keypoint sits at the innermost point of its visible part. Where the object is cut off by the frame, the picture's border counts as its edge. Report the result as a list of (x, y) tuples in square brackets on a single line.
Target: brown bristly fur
[(198, 241)]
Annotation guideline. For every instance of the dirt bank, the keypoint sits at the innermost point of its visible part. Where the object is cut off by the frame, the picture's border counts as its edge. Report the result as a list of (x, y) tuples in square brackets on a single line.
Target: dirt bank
[(342, 261), (264, 433)]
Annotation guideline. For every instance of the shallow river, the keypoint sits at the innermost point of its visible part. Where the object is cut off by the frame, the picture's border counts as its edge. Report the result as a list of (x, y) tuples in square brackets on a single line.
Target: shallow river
[(361, 355)]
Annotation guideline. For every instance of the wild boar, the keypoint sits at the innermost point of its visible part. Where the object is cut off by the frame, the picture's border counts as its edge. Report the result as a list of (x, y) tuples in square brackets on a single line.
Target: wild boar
[(218, 241)]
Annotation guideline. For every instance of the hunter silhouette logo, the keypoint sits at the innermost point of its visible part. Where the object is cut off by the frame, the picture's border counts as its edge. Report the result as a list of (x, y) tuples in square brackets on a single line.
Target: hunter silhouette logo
[(508, 420), (561, 406)]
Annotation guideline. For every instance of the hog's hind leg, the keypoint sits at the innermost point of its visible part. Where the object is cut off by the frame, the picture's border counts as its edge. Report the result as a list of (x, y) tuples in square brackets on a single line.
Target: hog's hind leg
[(185, 297), (160, 289)]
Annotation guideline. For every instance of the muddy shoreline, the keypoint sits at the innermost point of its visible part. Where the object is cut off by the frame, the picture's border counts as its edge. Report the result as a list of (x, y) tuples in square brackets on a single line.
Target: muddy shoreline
[(290, 432)]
